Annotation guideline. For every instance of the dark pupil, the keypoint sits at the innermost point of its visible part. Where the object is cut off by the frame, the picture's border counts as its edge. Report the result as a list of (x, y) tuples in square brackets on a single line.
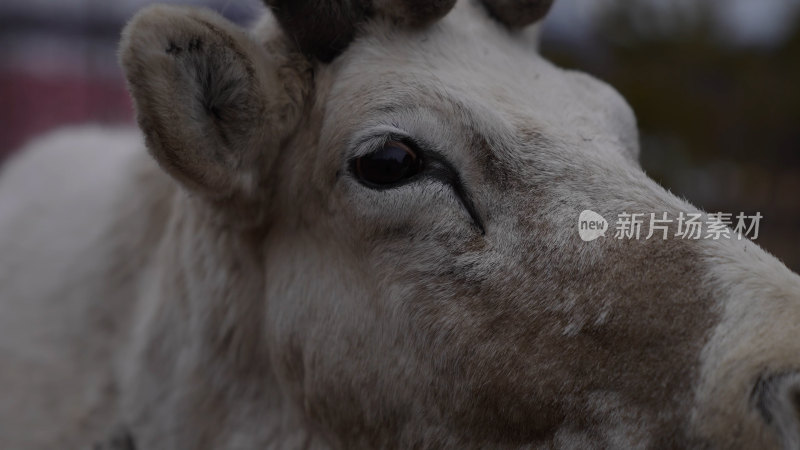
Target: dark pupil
[(388, 165)]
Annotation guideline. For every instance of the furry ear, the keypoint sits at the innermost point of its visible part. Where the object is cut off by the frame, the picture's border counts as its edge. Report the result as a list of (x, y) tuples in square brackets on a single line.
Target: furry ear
[(214, 106)]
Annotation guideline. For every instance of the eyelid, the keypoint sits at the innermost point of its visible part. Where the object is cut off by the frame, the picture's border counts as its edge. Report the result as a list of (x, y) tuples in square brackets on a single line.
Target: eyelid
[(379, 136)]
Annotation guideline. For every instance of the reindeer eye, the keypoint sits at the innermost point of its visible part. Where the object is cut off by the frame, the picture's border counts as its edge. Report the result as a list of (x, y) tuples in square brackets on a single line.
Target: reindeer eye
[(391, 164)]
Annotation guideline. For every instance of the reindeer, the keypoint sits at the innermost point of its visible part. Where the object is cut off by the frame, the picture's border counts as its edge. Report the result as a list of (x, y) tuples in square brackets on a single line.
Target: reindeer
[(355, 228)]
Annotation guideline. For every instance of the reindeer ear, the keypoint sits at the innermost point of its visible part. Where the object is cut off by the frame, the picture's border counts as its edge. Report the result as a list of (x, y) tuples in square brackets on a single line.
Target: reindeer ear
[(214, 106)]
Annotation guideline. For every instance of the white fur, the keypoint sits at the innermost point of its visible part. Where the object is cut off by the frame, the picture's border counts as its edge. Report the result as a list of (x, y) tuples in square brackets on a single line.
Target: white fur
[(342, 316)]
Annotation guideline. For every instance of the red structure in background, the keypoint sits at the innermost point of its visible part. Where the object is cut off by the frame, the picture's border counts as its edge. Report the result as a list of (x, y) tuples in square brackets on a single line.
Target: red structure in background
[(32, 105)]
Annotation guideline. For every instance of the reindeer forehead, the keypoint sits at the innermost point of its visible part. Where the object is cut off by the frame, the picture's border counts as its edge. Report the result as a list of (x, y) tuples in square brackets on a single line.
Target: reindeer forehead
[(469, 72), (469, 61), (461, 50)]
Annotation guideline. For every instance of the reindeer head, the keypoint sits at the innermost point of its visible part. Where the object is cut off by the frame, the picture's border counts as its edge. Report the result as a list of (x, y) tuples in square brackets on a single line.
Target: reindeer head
[(404, 178)]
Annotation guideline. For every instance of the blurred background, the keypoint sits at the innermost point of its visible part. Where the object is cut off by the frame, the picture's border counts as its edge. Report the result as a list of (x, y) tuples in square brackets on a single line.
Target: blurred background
[(715, 85)]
